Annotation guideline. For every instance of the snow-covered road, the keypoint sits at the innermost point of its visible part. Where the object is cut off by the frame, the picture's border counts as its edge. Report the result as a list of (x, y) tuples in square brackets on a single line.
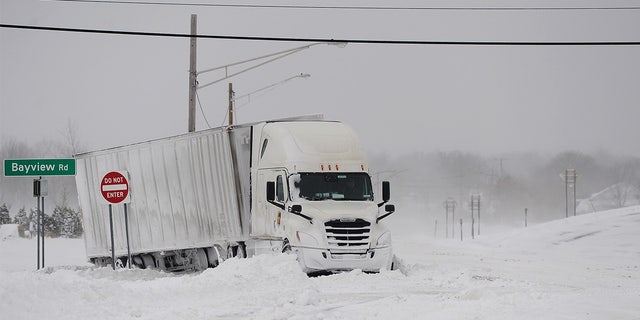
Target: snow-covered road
[(585, 267)]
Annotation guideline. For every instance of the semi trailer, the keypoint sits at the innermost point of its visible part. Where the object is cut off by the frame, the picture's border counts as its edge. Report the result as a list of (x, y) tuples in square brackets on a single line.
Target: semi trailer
[(299, 185)]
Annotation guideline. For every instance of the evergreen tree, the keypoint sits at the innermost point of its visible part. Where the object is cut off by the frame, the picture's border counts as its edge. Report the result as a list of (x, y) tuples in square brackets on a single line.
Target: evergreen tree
[(32, 219), (57, 220), (22, 219), (51, 228), (5, 218), (74, 224), (67, 221)]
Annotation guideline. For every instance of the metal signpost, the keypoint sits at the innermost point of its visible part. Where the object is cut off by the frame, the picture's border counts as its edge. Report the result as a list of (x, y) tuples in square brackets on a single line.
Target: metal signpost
[(40, 190), (39, 168), (114, 187)]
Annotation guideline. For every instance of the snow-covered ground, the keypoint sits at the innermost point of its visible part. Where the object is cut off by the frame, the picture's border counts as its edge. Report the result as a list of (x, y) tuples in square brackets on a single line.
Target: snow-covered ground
[(585, 267)]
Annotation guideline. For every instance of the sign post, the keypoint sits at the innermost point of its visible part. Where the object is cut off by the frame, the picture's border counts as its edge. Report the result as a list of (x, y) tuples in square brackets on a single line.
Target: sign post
[(114, 187), (36, 194)]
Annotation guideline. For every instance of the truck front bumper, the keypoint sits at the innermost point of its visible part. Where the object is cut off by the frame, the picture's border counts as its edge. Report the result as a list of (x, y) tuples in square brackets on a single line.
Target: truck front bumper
[(323, 260)]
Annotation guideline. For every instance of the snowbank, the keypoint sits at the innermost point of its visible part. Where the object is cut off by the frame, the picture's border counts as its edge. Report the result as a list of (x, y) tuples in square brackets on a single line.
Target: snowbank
[(584, 267), (8, 231)]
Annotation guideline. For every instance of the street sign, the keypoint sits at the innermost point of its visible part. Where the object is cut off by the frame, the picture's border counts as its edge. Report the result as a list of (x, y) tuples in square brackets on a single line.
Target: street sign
[(115, 187), (39, 167)]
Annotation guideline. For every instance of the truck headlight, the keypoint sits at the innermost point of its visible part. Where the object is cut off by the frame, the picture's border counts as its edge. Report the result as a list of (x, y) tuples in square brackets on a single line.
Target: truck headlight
[(384, 239), (305, 238)]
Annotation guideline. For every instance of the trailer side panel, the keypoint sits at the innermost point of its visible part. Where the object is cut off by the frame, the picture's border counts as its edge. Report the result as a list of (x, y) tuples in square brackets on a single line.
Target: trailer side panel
[(183, 194)]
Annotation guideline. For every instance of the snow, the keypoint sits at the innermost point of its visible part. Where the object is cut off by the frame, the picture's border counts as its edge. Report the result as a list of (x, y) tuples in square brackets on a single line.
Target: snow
[(584, 267), (8, 231)]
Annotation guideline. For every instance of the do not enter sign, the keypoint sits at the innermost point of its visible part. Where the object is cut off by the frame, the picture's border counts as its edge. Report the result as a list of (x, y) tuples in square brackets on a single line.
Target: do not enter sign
[(115, 187)]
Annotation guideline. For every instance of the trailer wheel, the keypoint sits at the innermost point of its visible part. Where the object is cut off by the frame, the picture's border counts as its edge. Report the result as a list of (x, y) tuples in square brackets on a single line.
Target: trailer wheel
[(147, 262), (214, 256), (240, 250), (286, 247), (137, 261), (200, 261), (237, 251), (121, 263)]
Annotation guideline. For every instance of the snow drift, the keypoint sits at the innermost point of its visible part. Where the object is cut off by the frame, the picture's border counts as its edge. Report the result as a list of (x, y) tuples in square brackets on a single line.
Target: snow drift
[(584, 267)]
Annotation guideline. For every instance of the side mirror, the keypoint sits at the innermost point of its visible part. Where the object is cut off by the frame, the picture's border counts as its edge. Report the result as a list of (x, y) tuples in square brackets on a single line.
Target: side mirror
[(389, 209), (386, 193), (296, 208)]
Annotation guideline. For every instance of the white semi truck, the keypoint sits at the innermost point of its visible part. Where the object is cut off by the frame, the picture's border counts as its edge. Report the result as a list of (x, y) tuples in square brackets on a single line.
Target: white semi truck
[(295, 185)]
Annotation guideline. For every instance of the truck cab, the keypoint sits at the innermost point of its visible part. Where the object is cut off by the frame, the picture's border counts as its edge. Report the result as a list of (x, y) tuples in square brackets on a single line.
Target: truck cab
[(313, 196)]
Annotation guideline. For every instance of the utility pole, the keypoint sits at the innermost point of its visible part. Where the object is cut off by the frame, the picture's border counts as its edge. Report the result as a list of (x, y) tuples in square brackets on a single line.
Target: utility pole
[(231, 101), (475, 207), (566, 194), (570, 176), (193, 82), (450, 207), (478, 215)]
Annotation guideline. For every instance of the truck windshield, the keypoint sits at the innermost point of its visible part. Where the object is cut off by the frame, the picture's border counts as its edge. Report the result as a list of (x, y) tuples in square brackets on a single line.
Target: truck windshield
[(335, 186)]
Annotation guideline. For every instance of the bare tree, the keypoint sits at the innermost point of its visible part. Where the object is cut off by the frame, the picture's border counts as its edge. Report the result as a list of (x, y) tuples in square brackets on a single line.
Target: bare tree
[(625, 175), (71, 140), (619, 194)]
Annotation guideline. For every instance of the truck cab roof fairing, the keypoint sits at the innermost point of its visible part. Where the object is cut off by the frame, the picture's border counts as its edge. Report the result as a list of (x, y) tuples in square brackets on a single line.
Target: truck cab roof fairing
[(308, 144)]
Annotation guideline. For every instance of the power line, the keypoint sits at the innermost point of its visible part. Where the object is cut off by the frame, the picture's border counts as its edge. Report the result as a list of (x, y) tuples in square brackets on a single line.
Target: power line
[(260, 6), (354, 41), (202, 110)]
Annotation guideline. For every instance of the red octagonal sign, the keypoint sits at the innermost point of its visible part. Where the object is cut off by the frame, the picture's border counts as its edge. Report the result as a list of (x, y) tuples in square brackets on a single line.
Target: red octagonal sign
[(114, 187)]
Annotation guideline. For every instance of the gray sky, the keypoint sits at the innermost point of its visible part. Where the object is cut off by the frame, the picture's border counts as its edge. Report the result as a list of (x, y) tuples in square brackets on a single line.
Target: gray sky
[(400, 98)]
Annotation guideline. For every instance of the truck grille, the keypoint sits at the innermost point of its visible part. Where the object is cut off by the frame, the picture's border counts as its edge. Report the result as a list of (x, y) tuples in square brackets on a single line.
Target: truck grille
[(343, 234)]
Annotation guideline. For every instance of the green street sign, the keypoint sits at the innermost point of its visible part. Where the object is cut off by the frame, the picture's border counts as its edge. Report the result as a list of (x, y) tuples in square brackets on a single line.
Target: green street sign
[(39, 167)]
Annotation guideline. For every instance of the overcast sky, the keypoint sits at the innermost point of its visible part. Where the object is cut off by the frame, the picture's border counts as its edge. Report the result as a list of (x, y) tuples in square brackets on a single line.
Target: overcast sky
[(120, 89)]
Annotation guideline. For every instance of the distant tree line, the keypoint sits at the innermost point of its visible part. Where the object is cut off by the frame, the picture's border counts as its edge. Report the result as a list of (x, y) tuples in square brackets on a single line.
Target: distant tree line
[(63, 222), (508, 182)]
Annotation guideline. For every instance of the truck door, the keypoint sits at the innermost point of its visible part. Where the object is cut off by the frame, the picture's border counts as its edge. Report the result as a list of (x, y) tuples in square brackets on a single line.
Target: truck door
[(267, 220)]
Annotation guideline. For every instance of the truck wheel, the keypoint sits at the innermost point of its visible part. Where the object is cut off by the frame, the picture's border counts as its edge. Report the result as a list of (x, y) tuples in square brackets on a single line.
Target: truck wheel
[(395, 263)]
